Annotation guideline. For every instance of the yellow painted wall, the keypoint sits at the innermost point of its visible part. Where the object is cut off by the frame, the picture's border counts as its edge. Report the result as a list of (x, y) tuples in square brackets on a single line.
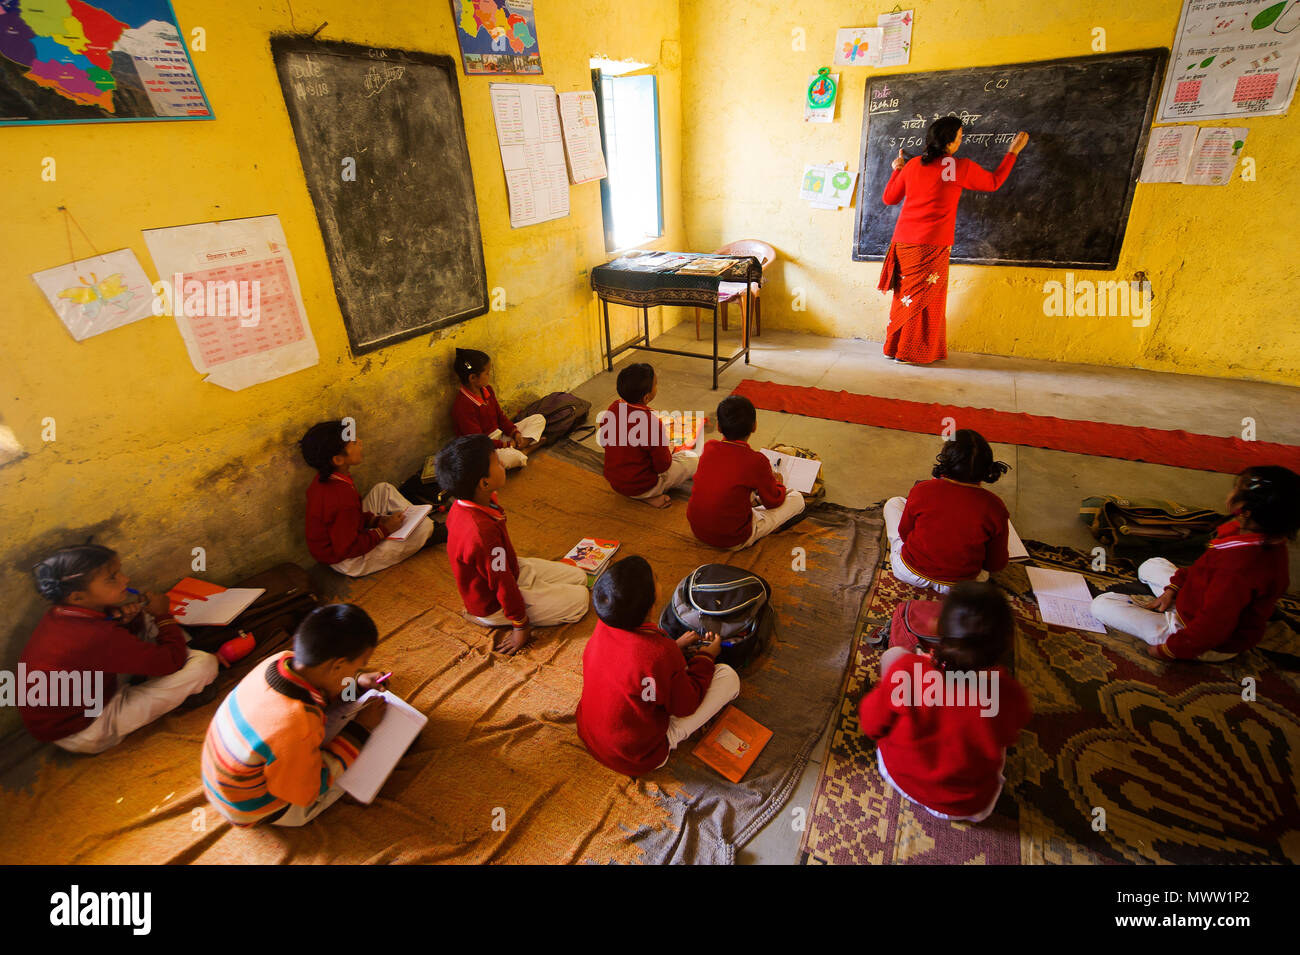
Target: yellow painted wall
[(153, 461), (1221, 259)]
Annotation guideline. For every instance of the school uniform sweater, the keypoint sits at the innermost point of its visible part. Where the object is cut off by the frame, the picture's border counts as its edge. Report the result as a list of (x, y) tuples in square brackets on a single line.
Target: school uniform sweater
[(483, 560), (266, 750), (337, 526), (618, 725), (71, 638), (1227, 596), (480, 414), (951, 531), (636, 447), (720, 512), (929, 215), (947, 757)]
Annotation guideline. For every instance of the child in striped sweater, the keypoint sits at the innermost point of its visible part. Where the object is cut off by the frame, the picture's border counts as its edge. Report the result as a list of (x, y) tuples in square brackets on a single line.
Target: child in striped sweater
[(266, 757)]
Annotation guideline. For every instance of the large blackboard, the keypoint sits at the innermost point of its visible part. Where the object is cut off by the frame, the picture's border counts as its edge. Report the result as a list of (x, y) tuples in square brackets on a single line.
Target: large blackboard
[(402, 237), (1066, 202)]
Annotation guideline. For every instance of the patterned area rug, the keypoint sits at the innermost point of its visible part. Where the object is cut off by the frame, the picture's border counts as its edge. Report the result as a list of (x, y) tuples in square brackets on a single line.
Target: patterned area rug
[(1126, 759)]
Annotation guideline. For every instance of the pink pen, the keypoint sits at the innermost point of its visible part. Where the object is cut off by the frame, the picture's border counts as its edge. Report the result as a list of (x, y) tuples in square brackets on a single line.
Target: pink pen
[(384, 677)]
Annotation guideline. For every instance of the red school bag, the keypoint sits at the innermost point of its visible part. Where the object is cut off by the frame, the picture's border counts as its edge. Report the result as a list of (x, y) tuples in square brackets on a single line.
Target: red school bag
[(915, 623)]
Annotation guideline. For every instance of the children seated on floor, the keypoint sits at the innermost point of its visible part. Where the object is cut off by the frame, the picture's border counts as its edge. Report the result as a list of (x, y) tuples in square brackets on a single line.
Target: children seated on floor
[(638, 460), (85, 647), (266, 757), (1218, 607), (475, 411), (498, 588), (349, 534), (949, 528), (641, 696), (942, 720), (737, 497)]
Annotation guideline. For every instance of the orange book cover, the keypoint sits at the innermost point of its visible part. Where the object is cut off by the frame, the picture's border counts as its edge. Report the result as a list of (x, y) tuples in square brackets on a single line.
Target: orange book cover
[(733, 744), (190, 588)]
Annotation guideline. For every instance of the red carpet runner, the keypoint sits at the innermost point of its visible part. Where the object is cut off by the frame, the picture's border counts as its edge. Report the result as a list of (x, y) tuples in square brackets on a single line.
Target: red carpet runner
[(1180, 449)]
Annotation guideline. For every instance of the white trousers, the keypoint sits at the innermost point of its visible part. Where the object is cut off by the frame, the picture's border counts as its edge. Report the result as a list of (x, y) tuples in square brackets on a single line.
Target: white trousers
[(766, 520), (554, 593), (382, 499), (893, 515), (530, 427), (679, 472), (135, 706), (1152, 627)]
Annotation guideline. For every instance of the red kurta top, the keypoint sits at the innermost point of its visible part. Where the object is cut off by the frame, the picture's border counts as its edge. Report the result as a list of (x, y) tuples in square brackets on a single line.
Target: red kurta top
[(483, 560), (1227, 596), (946, 757), (480, 414), (619, 726), (82, 640), (637, 451), (929, 215), (720, 512), (951, 531), (337, 527)]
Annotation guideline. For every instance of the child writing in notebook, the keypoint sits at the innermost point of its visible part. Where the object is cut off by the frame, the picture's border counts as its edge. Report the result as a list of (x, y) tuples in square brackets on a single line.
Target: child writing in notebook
[(950, 528), (344, 531), (737, 498), (265, 757), (498, 588), (475, 411), (942, 720), (638, 460), (641, 696), (98, 632), (1218, 607)]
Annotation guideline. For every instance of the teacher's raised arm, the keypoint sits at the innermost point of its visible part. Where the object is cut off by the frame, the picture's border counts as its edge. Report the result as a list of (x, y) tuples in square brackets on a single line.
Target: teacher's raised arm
[(916, 265)]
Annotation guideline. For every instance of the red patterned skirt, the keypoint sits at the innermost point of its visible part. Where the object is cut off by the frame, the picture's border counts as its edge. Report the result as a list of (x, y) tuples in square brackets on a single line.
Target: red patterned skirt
[(918, 277)]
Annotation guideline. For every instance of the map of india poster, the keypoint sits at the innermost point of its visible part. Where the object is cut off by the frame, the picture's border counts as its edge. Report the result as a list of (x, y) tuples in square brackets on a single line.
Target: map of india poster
[(497, 36), (92, 61)]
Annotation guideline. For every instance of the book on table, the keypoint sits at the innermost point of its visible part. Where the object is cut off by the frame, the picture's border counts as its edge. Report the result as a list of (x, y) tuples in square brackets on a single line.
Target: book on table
[(706, 266)]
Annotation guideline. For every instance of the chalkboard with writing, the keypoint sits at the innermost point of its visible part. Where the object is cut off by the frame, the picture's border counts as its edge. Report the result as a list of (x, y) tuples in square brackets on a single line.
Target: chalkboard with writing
[(1067, 200), (382, 142)]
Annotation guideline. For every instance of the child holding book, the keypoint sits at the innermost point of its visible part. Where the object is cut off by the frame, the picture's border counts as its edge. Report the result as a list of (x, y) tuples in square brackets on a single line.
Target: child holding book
[(266, 757), (638, 460), (942, 720), (475, 411), (641, 696), (950, 528), (98, 630), (498, 588), (344, 531), (737, 498), (1218, 607)]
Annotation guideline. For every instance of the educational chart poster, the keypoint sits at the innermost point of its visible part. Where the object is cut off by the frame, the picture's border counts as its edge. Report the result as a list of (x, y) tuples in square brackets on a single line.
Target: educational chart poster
[(497, 36), (235, 297), (1233, 59), (96, 295), (92, 61), (532, 152), (896, 38), (582, 137)]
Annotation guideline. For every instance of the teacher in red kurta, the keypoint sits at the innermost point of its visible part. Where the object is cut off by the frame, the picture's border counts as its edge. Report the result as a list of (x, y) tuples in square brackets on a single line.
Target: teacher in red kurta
[(916, 265)]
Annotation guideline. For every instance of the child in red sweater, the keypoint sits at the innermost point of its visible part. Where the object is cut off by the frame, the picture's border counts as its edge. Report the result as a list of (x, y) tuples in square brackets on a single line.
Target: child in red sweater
[(949, 528), (475, 411), (1220, 605), (95, 632), (500, 589), (349, 534), (942, 720), (737, 497), (641, 696), (638, 460)]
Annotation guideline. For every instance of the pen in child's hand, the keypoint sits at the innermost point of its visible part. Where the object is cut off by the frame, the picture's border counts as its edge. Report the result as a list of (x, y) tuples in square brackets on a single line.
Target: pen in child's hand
[(383, 678)]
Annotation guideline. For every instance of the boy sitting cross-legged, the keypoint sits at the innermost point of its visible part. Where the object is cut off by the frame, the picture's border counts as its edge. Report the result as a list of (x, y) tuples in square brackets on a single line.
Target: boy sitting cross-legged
[(639, 462), (498, 588)]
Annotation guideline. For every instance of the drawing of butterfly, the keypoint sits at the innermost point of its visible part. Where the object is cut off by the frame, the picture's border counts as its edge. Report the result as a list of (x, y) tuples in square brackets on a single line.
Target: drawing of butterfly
[(93, 295)]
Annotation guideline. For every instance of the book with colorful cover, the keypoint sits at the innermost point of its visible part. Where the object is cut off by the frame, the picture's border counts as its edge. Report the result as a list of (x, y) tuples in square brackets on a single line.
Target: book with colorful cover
[(591, 554), (683, 430), (733, 744), (706, 266)]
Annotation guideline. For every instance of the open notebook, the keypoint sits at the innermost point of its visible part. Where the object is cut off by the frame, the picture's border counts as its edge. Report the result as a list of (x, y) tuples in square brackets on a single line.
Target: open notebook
[(390, 739)]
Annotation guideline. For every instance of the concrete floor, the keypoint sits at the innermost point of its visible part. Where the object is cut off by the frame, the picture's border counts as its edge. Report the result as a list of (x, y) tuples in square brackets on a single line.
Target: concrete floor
[(863, 465)]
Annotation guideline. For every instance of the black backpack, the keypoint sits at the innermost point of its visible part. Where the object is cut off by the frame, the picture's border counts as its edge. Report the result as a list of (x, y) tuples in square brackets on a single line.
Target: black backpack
[(563, 412), (729, 601)]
